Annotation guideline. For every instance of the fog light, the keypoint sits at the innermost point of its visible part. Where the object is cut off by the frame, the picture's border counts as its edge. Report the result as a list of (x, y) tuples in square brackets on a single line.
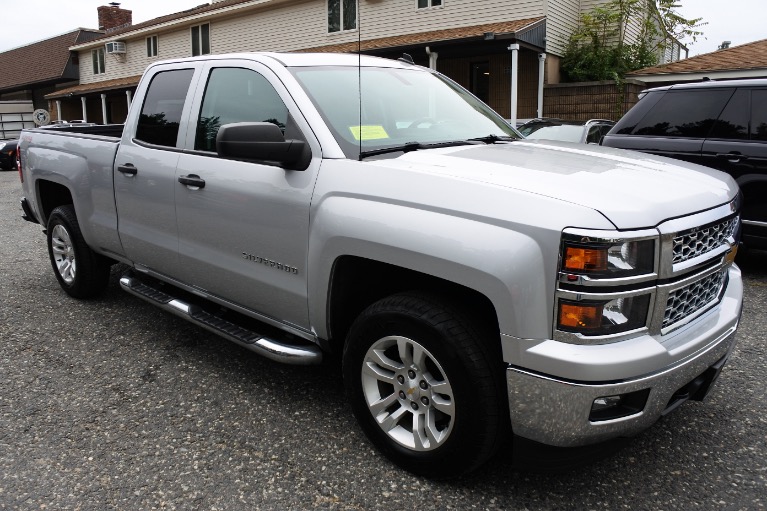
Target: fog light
[(603, 403), (622, 405)]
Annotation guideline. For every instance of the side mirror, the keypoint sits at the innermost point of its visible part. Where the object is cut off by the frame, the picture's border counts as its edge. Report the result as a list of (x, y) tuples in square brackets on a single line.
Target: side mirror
[(259, 141)]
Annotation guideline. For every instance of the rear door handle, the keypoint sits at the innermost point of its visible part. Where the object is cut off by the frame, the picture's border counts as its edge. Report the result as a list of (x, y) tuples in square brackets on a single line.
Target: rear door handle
[(732, 157), (192, 180), (128, 169)]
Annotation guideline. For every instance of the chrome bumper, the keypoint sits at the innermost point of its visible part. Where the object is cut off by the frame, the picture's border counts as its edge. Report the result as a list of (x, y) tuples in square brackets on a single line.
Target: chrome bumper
[(555, 410)]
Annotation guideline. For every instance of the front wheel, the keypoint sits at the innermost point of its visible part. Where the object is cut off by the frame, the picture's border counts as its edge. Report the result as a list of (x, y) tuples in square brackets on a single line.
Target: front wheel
[(81, 272), (425, 386)]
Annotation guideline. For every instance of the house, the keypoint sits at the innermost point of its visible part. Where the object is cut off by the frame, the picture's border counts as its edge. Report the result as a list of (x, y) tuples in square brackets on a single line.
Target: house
[(738, 62), (32, 71), (502, 50)]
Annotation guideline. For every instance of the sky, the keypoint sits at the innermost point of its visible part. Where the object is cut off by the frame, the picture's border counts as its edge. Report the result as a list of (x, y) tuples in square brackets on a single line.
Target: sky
[(28, 21)]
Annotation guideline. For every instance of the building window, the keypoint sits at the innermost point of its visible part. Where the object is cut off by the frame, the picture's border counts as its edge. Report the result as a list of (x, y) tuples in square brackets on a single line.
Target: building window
[(151, 46), (201, 40), (98, 61), (425, 4), (342, 15)]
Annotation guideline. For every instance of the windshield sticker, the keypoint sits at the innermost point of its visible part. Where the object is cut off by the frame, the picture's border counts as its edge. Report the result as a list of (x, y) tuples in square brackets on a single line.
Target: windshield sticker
[(368, 132)]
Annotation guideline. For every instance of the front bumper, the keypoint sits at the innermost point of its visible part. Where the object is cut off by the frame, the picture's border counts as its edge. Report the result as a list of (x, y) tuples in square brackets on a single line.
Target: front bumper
[(555, 410)]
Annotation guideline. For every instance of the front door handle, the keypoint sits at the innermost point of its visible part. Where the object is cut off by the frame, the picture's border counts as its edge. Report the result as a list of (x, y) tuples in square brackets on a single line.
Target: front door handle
[(128, 169), (732, 157), (192, 180)]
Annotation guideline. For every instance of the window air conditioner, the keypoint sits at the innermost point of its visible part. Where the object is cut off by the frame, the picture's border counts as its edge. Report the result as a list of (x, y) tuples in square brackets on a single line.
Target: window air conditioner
[(116, 47)]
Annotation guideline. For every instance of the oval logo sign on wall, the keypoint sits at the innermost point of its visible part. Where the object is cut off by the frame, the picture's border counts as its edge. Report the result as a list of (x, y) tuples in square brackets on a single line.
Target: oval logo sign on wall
[(41, 116)]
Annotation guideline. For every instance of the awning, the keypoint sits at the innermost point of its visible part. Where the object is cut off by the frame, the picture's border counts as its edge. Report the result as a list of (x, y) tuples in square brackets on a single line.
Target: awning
[(86, 88), (530, 30)]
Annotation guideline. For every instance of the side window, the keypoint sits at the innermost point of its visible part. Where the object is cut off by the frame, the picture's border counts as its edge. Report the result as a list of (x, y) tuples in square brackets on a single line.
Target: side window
[(342, 15), (201, 40), (684, 113), (236, 95), (99, 65), (594, 135), (733, 123), (759, 114), (161, 112)]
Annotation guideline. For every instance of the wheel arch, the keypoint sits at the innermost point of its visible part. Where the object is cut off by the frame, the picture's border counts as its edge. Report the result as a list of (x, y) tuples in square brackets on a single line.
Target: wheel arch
[(51, 195), (357, 282)]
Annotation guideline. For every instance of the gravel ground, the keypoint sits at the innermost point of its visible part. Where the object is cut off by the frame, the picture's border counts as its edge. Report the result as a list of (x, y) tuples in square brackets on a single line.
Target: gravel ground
[(113, 404)]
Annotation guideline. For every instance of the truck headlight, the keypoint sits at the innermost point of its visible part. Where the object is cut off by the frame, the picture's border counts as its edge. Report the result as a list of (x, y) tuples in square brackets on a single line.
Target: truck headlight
[(603, 317), (607, 259)]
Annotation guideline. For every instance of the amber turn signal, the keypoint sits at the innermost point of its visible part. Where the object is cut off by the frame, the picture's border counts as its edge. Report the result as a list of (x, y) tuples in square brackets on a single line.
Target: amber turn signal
[(585, 259), (581, 317)]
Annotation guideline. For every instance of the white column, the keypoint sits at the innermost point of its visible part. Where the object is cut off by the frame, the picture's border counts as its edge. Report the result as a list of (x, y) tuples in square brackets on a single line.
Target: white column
[(103, 109), (433, 60), (514, 79), (58, 109), (85, 111), (129, 95), (541, 73)]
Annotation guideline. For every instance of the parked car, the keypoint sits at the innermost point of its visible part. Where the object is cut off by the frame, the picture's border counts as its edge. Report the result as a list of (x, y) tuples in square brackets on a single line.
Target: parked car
[(581, 132), (722, 125), (8, 154)]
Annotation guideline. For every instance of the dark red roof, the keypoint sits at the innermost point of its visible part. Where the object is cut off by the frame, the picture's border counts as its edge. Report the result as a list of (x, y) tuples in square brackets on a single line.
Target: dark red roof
[(475, 31), (41, 62), (738, 58)]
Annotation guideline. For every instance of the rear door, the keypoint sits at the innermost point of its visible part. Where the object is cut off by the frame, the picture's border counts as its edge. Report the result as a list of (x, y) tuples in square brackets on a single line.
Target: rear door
[(676, 125), (243, 235), (738, 146), (145, 168)]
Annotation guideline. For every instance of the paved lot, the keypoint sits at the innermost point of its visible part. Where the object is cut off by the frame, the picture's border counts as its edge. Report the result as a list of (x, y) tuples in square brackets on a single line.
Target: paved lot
[(113, 404)]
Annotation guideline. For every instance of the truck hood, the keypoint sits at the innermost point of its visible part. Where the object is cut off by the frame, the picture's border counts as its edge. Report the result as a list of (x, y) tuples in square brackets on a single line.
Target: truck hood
[(632, 189)]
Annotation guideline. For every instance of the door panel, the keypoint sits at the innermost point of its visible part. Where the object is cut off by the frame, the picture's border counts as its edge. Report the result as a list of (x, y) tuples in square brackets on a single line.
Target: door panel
[(144, 173), (244, 235)]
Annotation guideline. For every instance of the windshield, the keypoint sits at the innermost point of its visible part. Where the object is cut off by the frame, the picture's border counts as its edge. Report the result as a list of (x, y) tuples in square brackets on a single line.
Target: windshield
[(564, 132), (399, 107)]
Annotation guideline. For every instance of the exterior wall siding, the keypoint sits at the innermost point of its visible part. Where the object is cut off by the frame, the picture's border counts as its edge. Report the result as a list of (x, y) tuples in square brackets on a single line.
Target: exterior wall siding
[(562, 19), (304, 25)]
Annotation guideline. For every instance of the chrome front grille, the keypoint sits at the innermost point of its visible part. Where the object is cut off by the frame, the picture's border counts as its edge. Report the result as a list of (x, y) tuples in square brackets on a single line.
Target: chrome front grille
[(694, 243), (694, 297)]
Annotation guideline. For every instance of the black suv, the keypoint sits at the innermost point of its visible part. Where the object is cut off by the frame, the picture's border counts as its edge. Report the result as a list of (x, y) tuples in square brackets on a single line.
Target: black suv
[(718, 124)]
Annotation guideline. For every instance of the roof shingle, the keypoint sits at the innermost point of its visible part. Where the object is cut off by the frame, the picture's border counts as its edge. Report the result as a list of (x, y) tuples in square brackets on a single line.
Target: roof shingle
[(434, 36), (746, 56), (40, 62)]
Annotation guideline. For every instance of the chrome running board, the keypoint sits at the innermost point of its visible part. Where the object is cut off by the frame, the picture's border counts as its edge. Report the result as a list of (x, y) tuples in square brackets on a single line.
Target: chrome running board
[(295, 354)]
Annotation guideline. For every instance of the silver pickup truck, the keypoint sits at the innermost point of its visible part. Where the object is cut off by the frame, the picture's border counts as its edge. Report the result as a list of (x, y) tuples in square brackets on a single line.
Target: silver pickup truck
[(476, 285)]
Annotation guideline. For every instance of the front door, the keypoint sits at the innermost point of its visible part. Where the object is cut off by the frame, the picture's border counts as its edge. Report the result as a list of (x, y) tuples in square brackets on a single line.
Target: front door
[(243, 235)]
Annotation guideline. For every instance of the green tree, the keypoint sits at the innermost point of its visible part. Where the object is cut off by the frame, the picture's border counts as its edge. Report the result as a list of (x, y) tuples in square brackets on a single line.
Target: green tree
[(624, 35)]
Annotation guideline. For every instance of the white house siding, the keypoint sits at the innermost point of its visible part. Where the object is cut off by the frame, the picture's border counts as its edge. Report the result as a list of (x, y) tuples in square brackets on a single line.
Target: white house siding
[(561, 20), (633, 28), (301, 25)]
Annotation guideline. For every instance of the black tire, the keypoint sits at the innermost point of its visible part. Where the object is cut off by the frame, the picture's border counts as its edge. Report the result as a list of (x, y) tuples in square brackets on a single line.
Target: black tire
[(81, 272), (468, 425)]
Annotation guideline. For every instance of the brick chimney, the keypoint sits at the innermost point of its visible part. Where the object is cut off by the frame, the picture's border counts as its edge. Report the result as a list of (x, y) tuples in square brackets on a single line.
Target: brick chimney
[(112, 17)]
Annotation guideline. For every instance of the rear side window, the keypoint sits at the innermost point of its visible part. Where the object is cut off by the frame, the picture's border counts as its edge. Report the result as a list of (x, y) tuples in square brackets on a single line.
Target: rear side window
[(733, 123), (684, 113), (759, 114), (160, 116)]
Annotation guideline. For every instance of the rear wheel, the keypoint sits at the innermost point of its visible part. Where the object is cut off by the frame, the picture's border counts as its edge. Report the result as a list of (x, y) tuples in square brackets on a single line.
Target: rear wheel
[(424, 385), (81, 272)]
